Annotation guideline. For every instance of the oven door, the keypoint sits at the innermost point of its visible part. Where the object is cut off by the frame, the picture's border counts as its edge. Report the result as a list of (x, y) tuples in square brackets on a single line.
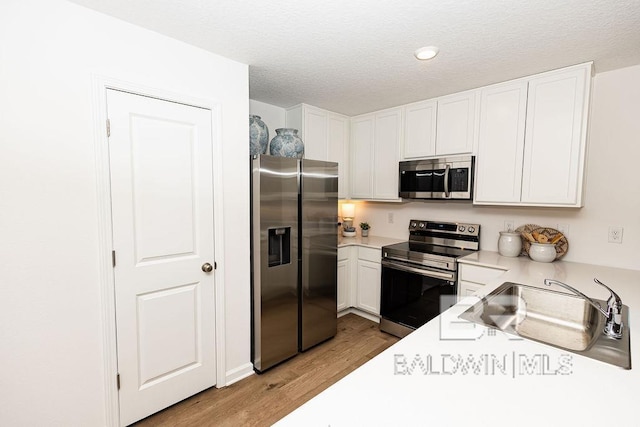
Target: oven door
[(412, 296)]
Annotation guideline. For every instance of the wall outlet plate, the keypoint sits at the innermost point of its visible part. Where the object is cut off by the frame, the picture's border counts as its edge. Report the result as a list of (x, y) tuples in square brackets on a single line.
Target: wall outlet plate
[(509, 225), (564, 229), (615, 234)]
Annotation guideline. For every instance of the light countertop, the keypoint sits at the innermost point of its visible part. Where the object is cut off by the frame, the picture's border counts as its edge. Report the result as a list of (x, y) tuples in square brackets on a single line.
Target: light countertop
[(450, 372), (370, 242)]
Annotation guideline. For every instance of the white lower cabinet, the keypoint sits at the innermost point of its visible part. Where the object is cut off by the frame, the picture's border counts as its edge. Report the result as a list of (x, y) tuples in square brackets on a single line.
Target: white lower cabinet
[(344, 278), (472, 278), (359, 274), (466, 289), (368, 295)]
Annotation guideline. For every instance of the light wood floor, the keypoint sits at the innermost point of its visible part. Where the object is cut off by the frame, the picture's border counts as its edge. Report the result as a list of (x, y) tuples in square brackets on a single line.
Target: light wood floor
[(264, 399)]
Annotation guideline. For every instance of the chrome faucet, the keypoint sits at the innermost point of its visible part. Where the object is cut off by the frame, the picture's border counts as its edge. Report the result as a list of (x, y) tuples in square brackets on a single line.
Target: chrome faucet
[(613, 327)]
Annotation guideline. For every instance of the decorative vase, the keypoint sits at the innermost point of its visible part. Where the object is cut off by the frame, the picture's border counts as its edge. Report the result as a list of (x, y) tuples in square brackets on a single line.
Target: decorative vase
[(509, 244), (365, 233), (542, 252), (258, 135), (286, 143)]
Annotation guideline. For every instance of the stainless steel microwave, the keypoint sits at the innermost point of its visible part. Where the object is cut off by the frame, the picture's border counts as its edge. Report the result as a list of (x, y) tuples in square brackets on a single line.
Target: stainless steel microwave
[(446, 178)]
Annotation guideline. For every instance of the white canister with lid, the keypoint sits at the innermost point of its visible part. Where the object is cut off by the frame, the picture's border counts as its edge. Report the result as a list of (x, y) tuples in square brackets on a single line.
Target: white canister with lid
[(509, 243)]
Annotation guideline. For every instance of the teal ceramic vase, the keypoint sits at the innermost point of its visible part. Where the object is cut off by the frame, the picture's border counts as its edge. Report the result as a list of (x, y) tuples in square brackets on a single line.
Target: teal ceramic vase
[(258, 135), (286, 143)]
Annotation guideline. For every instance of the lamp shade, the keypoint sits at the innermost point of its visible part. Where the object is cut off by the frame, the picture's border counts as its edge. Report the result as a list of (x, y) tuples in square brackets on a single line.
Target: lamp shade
[(348, 210)]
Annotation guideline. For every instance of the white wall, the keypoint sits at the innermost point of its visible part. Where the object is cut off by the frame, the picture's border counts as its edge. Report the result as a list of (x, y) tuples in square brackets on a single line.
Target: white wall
[(50, 301), (272, 116), (612, 187)]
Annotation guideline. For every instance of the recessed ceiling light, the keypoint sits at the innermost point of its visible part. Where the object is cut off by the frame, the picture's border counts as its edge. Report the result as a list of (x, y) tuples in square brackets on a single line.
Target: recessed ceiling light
[(426, 52)]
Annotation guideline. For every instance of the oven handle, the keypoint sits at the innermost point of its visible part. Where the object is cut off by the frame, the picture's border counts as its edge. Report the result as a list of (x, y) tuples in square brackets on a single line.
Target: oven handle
[(422, 272)]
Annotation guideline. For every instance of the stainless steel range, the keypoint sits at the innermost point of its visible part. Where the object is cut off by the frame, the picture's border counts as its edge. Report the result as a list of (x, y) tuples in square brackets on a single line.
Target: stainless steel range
[(419, 276)]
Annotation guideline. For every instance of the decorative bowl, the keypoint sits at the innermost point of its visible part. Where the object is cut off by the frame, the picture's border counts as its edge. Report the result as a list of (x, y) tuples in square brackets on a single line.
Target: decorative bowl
[(542, 252)]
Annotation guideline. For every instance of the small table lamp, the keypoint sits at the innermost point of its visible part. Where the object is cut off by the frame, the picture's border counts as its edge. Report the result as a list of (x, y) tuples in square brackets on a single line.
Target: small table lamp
[(348, 213)]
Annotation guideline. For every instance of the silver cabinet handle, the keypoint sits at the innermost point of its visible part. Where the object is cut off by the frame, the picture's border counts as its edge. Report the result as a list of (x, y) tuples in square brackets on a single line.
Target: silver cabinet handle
[(207, 268)]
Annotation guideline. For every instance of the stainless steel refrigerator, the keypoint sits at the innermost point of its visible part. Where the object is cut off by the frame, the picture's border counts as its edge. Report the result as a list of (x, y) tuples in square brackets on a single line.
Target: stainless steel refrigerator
[(294, 247)]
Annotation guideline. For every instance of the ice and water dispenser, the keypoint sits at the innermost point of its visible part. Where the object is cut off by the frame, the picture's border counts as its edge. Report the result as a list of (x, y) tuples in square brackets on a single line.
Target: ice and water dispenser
[(279, 246)]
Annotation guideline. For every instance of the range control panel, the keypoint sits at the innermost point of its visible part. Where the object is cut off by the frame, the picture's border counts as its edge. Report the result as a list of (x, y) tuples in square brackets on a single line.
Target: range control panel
[(454, 228)]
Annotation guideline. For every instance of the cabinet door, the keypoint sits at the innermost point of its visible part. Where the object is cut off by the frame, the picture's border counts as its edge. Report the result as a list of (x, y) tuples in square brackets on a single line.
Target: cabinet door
[(501, 143), (385, 158), (315, 134), (466, 289), (338, 150), (343, 284), (368, 296), (420, 130), (554, 141), (361, 160), (456, 123)]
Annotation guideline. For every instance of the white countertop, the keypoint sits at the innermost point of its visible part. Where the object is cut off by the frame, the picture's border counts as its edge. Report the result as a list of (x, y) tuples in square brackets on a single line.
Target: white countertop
[(370, 242), (515, 381)]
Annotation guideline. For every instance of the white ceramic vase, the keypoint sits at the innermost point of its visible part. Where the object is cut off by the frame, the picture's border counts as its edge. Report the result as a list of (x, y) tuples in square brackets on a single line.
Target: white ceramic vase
[(509, 244), (542, 252)]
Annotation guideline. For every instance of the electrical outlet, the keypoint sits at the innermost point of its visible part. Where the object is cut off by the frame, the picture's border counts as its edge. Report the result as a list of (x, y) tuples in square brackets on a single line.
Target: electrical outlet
[(390, 217), (615, 234), (564, 229), (509, 225)]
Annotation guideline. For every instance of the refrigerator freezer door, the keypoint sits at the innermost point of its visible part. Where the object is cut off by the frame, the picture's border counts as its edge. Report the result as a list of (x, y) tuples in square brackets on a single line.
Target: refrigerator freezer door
[(274, 260), (319, 244)]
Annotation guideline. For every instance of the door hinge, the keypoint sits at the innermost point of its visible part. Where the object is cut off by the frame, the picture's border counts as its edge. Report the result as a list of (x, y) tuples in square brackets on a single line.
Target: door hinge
[(118, 381), (113, 258), (108, 128)]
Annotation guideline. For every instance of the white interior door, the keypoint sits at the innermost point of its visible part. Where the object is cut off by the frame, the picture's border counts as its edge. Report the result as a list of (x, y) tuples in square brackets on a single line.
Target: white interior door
[(162, 209)]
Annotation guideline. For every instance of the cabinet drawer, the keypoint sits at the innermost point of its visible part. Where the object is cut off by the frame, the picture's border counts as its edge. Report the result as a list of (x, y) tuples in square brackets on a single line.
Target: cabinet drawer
[(370, 254), (476, 274)]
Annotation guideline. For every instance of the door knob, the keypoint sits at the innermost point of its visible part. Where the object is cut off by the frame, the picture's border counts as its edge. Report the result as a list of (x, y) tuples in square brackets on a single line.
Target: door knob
[(207, 268)]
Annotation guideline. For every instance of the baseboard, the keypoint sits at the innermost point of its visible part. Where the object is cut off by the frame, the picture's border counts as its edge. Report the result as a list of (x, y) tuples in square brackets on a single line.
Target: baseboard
[(239, 373), (358, 312)]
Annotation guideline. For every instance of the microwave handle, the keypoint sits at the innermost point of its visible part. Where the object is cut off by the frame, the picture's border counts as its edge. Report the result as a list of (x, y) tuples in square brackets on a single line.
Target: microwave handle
[(446, 181)]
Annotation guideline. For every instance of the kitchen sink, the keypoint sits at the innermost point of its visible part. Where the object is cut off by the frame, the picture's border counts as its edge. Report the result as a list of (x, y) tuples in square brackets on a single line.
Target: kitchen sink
[(554, 318)]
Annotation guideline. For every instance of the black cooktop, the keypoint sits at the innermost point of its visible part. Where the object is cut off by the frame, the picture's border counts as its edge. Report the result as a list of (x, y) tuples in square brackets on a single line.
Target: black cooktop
[(427, 248)]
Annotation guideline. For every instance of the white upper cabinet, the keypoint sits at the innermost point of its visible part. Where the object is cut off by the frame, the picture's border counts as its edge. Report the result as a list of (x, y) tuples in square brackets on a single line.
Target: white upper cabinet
[(326, 137), (385, 154), (441, 126), (534, 155), (501, 143), (375, 144), (420, 129), (554, 144), (338, 150), (314, 133), (362, 131), (456, 123)]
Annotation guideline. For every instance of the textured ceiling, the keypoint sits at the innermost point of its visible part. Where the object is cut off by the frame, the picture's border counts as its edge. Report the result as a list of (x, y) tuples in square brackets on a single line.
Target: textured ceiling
[(356, 56)]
